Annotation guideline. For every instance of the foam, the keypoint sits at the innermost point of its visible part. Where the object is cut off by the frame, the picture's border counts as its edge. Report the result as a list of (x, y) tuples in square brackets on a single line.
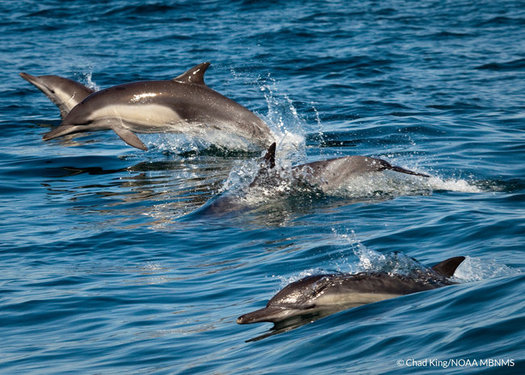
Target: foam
[(475, 269)]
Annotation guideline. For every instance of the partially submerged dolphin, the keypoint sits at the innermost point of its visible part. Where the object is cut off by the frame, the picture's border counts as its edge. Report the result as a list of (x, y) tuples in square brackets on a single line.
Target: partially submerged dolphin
[(181, 105), (335, 292), (64, 92), (326, 175)]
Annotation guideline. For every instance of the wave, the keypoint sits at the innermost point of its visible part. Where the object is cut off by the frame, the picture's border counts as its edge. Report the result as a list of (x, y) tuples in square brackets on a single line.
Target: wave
[(504, 66), (352, 256)]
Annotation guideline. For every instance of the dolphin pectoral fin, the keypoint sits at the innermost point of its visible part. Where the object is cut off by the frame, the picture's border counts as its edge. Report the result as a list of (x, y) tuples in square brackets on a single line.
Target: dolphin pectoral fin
[(130, 138), (448, 266), (194, 75)]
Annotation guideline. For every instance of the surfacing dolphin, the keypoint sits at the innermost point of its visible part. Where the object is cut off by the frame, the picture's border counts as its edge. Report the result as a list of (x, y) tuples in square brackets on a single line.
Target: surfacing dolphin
[(181, 105), (326, 175), (64, 92), (326, 294)]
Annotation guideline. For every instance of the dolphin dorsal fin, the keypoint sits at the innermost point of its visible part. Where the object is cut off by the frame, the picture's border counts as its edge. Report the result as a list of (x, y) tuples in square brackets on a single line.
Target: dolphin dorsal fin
[(194, 75), (448, 266), (269, 157)]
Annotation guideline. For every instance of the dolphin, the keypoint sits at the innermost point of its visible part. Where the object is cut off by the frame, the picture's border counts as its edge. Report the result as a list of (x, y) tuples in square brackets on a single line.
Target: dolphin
[(181, 105), (315, 294), (64, 92), (325, 175)]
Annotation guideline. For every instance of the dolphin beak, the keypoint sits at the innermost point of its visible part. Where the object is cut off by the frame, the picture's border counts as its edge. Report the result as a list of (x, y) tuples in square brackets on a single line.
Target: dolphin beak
[(267, 314), (38, 83), (28, 77), (60, 131)]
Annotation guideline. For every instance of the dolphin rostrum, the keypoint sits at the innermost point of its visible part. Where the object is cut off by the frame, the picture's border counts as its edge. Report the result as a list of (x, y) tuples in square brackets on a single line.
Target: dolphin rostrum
[(181, 105), (335, 292), (64, 92)]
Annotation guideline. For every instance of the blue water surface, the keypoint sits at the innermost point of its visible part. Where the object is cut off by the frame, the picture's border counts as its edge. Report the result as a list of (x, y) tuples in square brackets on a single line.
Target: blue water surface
[(111, 263)]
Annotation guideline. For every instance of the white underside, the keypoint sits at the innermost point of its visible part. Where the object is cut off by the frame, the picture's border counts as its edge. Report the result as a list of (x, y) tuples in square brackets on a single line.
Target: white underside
[(352, 298), (146, 118), (334, 303), (66, 99)]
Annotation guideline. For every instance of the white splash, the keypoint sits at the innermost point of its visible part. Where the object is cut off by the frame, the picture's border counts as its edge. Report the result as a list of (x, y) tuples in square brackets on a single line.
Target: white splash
[(88, 79), (178, 142), (389, 183), (458, 185), (475, 269)]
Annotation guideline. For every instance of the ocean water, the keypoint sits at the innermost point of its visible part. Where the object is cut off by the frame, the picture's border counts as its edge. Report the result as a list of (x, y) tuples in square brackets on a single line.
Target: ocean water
[(112, 260)]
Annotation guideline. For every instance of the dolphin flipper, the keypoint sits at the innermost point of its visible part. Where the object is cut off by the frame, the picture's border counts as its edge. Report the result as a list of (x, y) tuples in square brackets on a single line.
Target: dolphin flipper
[(448, 266), (130, 138)]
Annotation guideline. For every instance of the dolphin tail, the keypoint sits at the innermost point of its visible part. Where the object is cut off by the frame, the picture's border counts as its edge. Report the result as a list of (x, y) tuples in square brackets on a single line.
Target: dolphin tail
[(406, 171), (448, 266)]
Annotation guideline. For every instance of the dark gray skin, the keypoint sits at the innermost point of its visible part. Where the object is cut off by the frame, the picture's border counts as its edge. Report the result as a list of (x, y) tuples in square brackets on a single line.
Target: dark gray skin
[(182, 105), (335, 292), (64, 92)]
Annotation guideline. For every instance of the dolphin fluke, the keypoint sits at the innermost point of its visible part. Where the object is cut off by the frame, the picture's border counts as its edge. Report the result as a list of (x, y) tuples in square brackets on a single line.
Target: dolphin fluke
[(65, 93), (448, 266)]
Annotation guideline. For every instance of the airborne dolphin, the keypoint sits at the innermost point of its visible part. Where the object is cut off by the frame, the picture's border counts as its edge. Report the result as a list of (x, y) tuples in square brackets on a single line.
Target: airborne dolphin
[(64, 92), (335, 292), (181, 105)]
